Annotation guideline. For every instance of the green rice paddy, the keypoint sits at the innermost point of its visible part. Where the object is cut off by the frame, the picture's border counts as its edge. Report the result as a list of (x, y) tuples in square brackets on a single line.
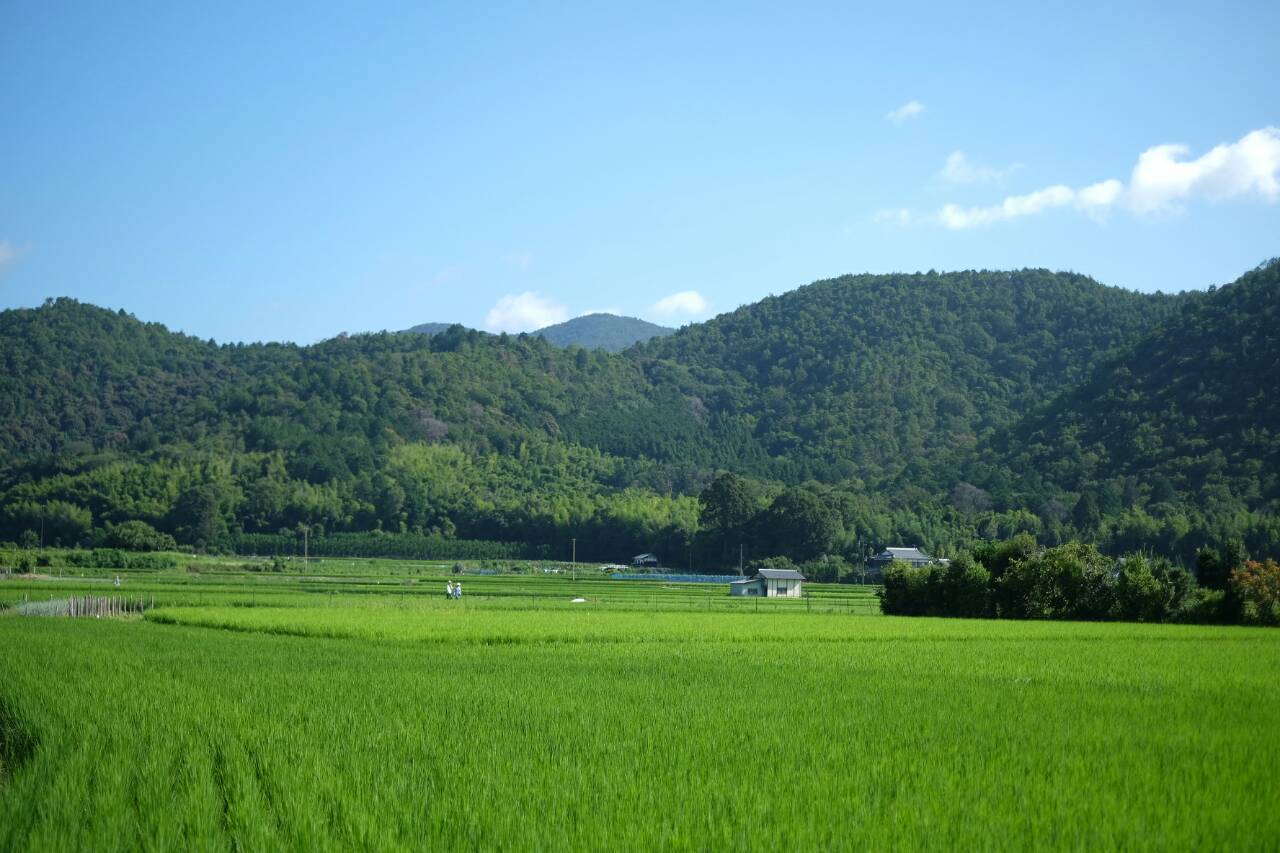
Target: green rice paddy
[(362, 710)]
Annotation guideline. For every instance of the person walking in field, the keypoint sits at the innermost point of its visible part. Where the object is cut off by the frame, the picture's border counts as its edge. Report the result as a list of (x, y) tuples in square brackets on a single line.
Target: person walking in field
[(457, 590), (448, 589)]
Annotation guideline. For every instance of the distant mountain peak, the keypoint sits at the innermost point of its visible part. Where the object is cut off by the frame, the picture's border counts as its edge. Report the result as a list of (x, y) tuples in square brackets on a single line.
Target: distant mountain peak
[(603, 331), (432, 328)]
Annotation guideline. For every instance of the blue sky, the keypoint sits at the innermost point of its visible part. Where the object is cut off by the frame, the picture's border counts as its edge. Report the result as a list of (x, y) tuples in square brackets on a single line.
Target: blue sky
[(288, 174)]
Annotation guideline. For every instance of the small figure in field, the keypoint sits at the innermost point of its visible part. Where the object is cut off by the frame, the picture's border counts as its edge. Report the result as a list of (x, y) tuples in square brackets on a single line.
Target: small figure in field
[(457, 590), (117, 580), (448, 589)]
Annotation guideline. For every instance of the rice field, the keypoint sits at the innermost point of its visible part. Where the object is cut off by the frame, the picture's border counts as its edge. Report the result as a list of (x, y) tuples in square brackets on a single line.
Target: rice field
[(257, 713)]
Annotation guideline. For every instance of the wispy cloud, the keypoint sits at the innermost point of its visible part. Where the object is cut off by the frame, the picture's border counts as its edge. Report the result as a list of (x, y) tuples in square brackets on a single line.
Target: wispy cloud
[(909, 110), (955, 217), (959, 169), (524, 312), (1162, 182), (688, 302), (8, 254)]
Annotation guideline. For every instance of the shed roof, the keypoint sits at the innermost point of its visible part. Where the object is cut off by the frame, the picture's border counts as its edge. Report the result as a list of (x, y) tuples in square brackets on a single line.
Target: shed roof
[(780, 574), (903, 554)]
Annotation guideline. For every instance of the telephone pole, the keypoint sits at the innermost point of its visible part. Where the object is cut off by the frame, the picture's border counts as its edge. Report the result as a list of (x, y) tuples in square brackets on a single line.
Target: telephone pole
[(305, 565), (739, 559), (573, 561)]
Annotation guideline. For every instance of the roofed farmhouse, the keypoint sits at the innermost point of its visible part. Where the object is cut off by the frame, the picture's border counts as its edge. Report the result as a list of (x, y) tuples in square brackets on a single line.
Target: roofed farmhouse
[(770, 583)]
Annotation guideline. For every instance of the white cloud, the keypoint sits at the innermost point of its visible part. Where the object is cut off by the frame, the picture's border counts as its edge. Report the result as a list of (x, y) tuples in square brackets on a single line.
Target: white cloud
[(909, 110), (1163, 180), (8, 254), (959, 169), (957, 218), (689, 302), (1098, 199), (524, 312)]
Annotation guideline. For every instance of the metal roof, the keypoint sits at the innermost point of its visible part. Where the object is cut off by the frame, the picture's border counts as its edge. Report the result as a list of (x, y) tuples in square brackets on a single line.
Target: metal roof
[(903, 554), (780, 574)]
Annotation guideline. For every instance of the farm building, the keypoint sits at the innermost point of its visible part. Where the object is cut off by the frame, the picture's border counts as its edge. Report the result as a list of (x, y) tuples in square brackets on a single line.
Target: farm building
[(644, 560), (911, 556), (771, 583)]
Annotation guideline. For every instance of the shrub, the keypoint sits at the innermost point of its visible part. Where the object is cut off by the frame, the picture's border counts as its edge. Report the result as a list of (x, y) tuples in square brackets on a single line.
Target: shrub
[(905, 590), (137, 536), (1140, 596), (1071, 581), (1254, 590), (1203, 606), (960, 589)]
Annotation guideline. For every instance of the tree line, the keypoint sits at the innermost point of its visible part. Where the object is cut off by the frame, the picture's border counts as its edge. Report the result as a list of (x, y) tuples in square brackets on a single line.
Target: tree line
[(1019, 579)]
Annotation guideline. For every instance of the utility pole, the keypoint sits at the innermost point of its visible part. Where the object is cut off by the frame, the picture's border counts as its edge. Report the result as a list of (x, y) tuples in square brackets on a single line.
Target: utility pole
[(739, 559), (305, 534), (574, 558)]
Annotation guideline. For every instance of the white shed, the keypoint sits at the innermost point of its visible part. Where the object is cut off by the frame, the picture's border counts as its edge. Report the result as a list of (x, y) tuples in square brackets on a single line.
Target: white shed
[(771, 583)]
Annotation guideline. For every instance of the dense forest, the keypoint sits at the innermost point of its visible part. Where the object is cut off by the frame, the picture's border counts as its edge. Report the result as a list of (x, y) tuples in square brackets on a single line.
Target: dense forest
[(939, 410), (590, 331), (603, 331)]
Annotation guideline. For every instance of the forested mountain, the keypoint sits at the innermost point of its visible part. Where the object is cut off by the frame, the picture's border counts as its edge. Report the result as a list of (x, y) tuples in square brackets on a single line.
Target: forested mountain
[(929, 409), (431, 328), (590, 331), (892, 380), (603, 331), (1178, 431)]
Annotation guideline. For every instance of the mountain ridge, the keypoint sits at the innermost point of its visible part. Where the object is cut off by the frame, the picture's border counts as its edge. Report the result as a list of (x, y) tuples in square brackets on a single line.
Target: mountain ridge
[(907, 404), (610, 332)]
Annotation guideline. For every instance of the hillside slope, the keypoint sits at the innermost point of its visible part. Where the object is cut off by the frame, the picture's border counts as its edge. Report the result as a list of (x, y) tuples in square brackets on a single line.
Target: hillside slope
[(1187, 419), (431, 328), (893, 379), (930, 409), (603, 331)]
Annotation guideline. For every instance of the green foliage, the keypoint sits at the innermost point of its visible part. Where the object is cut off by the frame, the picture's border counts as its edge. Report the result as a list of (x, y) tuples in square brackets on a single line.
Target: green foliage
[(1072, 581), (800, 525), (1214, 566), (958, 588), (1176, 437), (1151, 589), (1017, 579), (783, 563), (602, 331), (905, 590), (137, 536), (940, 409), (1254, 592), (403, 545)]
